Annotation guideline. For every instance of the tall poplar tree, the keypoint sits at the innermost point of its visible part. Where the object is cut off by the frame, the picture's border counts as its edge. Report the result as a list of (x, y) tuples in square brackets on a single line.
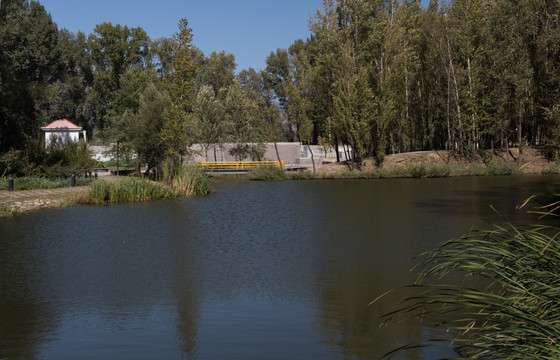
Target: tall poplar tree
[(182, 83)]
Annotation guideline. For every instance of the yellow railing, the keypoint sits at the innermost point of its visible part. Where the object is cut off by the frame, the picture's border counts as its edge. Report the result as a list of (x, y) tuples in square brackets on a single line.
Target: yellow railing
[(238, 165)]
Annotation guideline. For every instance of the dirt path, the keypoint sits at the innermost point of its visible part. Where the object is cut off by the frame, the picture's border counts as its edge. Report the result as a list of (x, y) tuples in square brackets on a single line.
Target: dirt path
[(26, 200)]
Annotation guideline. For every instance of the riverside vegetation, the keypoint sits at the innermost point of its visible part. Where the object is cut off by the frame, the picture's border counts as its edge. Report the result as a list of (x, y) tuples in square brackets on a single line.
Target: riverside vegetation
[(492, 294), (375, 77), (35, 183), (187, 181)]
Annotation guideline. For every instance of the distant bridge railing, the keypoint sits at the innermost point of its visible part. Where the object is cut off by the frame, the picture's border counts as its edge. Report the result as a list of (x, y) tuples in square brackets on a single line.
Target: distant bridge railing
[(238, 165)]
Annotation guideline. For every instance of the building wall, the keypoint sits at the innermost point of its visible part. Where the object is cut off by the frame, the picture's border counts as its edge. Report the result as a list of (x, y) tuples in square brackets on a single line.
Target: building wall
[(64, 136)]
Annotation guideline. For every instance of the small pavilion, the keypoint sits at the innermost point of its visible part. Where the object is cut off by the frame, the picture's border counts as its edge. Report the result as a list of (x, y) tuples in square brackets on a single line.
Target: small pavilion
[(64, 131)]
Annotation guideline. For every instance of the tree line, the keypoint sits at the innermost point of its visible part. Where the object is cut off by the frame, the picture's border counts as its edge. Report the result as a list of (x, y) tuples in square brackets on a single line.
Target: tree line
[(392, 76), (375, 77)]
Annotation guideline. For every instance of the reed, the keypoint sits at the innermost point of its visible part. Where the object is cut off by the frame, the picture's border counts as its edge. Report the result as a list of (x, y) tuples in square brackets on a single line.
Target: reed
[(191, 181), (7, 209), (496, 292), (129, 190)]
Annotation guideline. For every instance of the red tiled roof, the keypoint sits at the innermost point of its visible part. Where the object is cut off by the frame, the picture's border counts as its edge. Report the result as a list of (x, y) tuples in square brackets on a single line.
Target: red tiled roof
[(62, 123)]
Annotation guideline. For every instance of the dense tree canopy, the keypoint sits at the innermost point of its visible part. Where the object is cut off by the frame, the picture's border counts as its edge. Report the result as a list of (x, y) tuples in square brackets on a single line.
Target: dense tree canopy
[(375, 76)]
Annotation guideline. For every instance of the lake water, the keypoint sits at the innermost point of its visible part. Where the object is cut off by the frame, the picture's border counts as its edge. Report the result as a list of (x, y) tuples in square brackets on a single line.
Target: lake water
[(276, 270)]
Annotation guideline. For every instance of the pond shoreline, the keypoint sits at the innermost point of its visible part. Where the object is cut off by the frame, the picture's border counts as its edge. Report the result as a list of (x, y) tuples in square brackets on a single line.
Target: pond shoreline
[(24, 201), (425, 164)]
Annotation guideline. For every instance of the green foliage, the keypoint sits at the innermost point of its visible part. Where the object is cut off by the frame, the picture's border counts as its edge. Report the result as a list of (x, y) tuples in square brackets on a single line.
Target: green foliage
[(191, 181), (495, 293), (501, 167), (241, 112), (6, 209), (219, 70), (207, 116), (130, 189), (115, 47), (167, 168), (255, 152), (142, 130), (11, 163), (186, 179), (28, 67), (182, 81), (240, 151), (55, 161), (377, 77), (553, 147), (267, 174), (36, 183), (58, 160)]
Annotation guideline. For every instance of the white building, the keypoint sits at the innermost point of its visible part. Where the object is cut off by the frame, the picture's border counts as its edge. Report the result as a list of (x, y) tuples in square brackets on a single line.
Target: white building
[(64, 131)]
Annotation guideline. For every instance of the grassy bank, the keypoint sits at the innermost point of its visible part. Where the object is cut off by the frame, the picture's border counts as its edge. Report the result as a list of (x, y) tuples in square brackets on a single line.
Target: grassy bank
[(493, 168), (187, 182)]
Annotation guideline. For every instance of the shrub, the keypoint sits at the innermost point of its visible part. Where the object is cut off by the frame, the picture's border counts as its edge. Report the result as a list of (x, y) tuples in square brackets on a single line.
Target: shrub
[(11, 163), (501, 167), (54, 161), (35, 183), (418, 171), (551, 170)]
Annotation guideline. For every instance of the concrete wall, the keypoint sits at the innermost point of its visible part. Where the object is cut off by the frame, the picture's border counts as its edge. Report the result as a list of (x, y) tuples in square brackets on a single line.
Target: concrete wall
[(288, 152), (291, 152), (294, 154)]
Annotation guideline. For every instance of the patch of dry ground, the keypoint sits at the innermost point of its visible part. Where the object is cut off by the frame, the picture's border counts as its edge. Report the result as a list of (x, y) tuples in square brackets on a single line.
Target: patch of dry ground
[(19, 201), (27, 200)]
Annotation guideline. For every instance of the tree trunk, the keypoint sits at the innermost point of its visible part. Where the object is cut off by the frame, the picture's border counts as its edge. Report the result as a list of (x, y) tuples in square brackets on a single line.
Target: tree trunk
[(473, 110), (448, 144), (336, 149), (457, 101), (277, 153), (170, 172), (312, 157), (407, 114), (519, 132)]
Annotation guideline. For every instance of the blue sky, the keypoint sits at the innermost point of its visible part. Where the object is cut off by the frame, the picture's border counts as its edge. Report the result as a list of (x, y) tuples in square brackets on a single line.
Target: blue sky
[(249, 29)]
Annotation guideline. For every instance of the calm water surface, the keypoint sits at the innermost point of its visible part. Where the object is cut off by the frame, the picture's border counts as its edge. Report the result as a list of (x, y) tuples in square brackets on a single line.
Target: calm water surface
[(281, 270)]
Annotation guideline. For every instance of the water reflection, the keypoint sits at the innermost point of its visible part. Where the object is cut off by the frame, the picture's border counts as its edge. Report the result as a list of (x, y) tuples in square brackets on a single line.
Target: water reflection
[(255, 270)]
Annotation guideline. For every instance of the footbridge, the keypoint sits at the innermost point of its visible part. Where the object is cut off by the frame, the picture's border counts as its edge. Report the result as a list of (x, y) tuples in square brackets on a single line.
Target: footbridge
[(236, 167)]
